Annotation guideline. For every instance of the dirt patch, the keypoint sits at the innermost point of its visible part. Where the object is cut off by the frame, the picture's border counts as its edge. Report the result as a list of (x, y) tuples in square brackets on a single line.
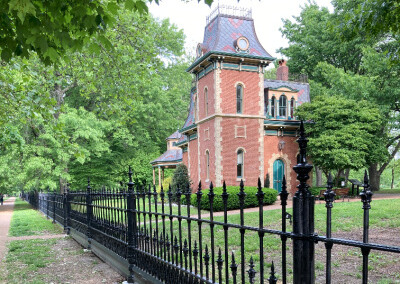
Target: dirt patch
[(384, 267), (72, 264)]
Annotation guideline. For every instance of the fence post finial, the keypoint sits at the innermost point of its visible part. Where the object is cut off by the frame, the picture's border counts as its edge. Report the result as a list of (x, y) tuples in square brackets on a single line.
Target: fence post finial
[(303, 219)]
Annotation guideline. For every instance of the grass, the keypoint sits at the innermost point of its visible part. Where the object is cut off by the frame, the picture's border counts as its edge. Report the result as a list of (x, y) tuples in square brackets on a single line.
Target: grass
[(389, 191), (27, 222), (26, 257)]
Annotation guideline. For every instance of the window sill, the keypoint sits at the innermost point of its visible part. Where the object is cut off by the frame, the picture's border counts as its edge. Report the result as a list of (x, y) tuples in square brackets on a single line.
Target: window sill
[(239, 179)]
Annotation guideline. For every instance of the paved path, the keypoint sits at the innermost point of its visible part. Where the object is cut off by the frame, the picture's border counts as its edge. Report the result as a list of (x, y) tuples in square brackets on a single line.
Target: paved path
[(6, 211)]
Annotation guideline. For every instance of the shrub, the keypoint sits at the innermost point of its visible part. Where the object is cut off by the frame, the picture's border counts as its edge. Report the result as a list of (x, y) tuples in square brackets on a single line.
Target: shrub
[(251, 200), (267, 181), (315, 190), (180, 179)]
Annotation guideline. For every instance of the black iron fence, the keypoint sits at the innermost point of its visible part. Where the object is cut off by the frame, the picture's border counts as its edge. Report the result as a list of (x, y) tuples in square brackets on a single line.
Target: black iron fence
[(177, 243)]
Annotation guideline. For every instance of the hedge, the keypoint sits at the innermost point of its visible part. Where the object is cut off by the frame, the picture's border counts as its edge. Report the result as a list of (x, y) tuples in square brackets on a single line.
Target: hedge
[(251, 200)]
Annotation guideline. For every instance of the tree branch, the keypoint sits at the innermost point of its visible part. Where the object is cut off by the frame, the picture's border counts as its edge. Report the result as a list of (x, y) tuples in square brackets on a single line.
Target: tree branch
[(383, 167)]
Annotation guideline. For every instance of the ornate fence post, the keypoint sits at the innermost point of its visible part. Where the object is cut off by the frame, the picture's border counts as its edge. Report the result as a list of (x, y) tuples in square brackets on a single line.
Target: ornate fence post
[(303, 219), (68, 210), (65, 208), (89, 214), (47, 203), (54, 207), (366, 198), (130, 203)]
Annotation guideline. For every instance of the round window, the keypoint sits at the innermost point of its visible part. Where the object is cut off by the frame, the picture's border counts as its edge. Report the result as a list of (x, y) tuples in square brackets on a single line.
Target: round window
[(242, 43)]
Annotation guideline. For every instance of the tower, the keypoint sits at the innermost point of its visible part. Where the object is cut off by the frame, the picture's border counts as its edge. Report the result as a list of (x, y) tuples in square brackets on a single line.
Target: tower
[(224, 133)]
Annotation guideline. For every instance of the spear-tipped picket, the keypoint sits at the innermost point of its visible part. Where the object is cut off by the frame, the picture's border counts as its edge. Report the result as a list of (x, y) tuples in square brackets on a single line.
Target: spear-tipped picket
[(195, 256), (220, 263), (234, 268), (185, 252), (272, 279), (206, 260), (251, 271)]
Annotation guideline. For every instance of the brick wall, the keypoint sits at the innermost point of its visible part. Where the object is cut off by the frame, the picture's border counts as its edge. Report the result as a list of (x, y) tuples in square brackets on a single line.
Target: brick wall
[(287, 155), (206, 82), (193, 163), (206, 142), (251, 93)]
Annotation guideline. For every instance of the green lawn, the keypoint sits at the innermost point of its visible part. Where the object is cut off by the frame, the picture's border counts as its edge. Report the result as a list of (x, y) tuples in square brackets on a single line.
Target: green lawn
[(26, 257), (389, 191), (27, 221)]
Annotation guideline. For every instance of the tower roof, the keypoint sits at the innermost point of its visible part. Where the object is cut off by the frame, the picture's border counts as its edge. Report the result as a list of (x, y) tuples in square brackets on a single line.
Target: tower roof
[(230, 31)]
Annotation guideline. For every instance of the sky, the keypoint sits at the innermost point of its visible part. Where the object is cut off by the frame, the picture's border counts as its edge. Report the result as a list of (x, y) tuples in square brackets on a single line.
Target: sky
[(267, 14)]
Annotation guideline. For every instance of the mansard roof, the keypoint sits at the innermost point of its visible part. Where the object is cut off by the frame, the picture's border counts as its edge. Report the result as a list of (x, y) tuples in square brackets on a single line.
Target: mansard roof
[(224, 29), (303, 89), (175, 135), (224, 26), (190, 120), (170, 156)]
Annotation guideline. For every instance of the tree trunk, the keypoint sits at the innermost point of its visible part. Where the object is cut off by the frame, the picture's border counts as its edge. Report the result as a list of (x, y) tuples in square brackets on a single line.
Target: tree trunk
[(374, 177), (346, 176), (339, 174), (392, 185), (318, 177)]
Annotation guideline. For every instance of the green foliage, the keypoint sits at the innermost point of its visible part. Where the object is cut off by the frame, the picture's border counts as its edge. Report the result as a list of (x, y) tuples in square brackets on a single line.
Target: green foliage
[(180, 179), (97, 113), (267, 181), (346, 59), (339, 138), (53, 28), (251, 199)]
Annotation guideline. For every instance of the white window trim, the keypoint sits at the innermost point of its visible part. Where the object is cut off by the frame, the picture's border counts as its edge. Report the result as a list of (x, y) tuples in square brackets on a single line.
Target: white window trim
[(244, 152)]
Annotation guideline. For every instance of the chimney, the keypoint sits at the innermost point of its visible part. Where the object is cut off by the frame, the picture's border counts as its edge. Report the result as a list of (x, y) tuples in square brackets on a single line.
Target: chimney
[(283, 71)]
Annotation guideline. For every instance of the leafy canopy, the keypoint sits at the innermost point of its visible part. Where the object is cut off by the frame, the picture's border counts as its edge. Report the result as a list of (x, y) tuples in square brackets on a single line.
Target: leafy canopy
[(343, 132), (51, 28)]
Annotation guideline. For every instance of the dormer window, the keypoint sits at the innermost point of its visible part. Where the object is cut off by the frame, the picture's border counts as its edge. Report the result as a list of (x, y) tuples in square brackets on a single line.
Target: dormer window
[(273, 107), (292, 102), (239, 98)]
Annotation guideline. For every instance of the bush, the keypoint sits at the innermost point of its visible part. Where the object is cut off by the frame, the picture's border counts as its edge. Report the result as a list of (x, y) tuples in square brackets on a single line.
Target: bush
[(315, 190), (251, 200), (180, 179)]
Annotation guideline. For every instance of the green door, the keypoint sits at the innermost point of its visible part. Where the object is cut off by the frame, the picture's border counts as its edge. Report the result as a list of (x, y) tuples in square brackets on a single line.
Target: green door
[(279, 171)]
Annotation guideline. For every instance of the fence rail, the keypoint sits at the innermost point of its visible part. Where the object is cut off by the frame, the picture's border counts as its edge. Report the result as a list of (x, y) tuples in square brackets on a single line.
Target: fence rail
[(177, 243)]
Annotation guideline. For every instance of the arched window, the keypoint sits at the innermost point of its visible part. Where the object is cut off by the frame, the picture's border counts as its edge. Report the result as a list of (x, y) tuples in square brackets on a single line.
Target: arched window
[(292, 107), (273, 107), (240, 163), (206, 102), (239, 98), (266, 101), (282, 106), (208, 164)]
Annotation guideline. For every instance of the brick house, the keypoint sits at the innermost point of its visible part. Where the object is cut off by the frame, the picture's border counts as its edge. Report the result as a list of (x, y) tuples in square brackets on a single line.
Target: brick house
[(240, 125)]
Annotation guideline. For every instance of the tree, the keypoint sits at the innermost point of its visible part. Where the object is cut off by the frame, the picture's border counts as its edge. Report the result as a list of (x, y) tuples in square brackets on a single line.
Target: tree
[(181, 179), (349, 65), (343, 133), (52, 28), (314, 36), (97, 113)]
